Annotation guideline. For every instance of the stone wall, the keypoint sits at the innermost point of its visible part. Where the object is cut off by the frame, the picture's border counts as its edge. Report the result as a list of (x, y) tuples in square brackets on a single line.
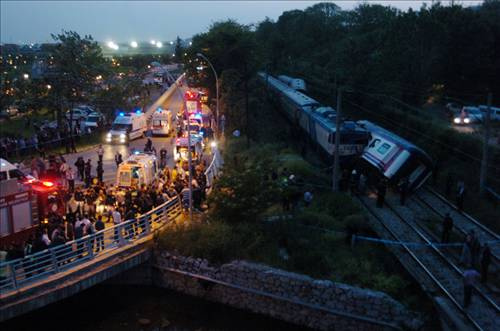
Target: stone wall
[(292, 297)]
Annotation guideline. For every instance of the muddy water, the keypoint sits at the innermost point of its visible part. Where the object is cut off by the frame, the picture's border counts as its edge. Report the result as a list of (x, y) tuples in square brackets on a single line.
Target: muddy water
[(113, 308)]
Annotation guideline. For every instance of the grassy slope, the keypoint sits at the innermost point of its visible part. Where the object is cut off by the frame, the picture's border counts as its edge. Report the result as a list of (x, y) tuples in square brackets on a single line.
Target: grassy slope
[(314, 238)]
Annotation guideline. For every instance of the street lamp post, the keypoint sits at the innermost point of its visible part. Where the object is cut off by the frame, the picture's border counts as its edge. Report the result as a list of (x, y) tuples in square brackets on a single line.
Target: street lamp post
[(216, 91)]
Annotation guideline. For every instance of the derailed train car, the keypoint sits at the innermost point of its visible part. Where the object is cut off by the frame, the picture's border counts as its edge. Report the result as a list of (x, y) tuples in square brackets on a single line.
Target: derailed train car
[(317, 121), (395, 158), (378, 150)]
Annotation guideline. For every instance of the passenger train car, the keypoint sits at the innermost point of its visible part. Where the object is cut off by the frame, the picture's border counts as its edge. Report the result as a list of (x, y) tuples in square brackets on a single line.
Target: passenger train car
[(380, 151), (295, 83), (316, 121), (395, 158)]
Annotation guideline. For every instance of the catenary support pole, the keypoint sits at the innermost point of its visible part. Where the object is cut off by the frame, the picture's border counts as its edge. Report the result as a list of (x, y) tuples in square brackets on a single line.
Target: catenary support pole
[(336, 166), (486, 138)]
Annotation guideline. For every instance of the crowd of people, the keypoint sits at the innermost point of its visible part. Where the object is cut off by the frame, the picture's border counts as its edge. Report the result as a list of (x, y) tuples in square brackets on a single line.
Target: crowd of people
[(94, 204), (44, 138)]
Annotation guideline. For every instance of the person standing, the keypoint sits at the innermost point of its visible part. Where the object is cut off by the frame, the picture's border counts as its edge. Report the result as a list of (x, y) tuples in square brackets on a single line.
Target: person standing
[(70, 177), (447, 227), (470, 276), (80, 165), (100, 171), (381, 190), (88, 169), (63, 168), (100, 152), (118, 159), (99, 226), (485, 263), (117, 219)]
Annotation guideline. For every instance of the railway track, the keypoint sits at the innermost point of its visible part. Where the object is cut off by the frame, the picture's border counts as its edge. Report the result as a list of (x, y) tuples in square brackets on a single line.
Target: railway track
[(462, 222), (483, 313)]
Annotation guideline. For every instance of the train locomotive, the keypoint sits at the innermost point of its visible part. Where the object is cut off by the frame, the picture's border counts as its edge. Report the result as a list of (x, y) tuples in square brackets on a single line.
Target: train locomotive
[(317, 121), (395, 158), (370, 146)]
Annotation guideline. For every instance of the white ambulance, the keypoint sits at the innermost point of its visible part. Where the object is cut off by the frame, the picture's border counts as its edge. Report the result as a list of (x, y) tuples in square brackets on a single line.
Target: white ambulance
[(138, 169), (161, 122), (127, 127)]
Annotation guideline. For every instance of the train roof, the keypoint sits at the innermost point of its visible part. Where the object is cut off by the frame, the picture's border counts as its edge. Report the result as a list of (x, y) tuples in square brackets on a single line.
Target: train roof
[(297, 97), (388, 135)]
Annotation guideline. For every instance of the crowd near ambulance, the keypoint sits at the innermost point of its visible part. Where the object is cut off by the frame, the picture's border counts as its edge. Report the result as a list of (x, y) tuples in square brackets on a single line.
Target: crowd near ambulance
[(62, 201)]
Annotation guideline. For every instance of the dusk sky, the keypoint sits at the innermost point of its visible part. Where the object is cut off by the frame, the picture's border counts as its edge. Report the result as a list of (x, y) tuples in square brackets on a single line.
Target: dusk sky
[(123, 21)]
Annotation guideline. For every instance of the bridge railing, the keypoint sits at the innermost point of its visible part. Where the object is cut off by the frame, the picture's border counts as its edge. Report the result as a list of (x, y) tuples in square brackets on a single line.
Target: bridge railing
[(18, 273)]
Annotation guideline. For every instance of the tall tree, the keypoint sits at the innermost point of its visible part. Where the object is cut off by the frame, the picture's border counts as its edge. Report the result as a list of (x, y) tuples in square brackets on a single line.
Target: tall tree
[(179, 50), (77, 62)]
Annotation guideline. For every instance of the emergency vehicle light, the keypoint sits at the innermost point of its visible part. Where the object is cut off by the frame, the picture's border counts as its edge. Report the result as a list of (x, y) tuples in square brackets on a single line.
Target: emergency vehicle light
[(47, 184), (122, 114)]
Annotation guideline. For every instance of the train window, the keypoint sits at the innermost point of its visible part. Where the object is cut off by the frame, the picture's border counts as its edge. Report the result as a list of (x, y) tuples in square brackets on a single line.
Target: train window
[(374, 143), (384, 148), (3, 175)]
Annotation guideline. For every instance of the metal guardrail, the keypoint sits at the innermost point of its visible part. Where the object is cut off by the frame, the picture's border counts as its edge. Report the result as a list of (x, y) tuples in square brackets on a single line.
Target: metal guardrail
[(21, 272), (213, 169)]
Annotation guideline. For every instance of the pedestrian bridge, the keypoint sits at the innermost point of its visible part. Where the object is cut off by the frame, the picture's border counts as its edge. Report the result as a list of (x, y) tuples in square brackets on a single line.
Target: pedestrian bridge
[(59, 272)]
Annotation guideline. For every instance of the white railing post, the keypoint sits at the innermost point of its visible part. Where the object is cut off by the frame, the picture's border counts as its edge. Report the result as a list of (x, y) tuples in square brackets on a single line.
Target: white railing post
[(90, 248), (13, 275), (53, 258)]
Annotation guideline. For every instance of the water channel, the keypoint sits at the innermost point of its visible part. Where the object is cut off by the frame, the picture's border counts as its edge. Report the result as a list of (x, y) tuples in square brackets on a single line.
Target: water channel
[(117, 307)]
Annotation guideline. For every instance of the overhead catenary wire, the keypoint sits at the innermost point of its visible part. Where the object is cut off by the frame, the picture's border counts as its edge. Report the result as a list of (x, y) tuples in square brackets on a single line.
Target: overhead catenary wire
[(417, 132)]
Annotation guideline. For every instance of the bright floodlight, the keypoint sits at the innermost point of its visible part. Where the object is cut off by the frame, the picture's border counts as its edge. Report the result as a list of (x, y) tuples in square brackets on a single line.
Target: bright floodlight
[(26, 76), (112, 45), (49, 86), (190, 43), (171, 43), (153, 42), (213, 144), (133, 44), (159, 44)]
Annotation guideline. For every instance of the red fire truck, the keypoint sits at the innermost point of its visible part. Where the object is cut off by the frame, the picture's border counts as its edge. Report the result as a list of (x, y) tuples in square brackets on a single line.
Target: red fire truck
[(193, 102), (26, 206)]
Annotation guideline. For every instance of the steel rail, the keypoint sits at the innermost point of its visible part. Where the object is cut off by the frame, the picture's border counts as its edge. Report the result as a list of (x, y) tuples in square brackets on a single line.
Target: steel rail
[(441, 255), (421, 264)]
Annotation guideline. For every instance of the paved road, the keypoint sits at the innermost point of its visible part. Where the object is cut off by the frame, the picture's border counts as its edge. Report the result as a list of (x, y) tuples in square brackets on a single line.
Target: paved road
[(174, 103)]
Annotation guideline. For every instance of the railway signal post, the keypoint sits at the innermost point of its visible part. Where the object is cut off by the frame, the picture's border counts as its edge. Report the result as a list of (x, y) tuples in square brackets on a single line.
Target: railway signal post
[(336, 165)]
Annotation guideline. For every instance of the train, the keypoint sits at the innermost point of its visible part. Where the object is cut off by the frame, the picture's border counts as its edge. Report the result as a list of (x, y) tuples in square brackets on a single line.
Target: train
[(394, 157), (295, 83), (362, 143), (317, 121)]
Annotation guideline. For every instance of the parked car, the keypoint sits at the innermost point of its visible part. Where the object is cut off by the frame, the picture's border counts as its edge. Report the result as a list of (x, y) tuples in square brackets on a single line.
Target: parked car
[(94, 120), (494, 112), (468, 115), (80, 112)]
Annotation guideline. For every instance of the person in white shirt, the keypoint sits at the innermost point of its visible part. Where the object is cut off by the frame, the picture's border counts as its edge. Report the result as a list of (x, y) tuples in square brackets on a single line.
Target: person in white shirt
[(100, 152), (117, 219), (45, 237), (63, 168), (70, 177)]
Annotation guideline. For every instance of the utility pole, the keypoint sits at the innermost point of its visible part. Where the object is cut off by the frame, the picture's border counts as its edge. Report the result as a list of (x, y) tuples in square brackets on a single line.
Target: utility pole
[(337, 142), (486, 139)]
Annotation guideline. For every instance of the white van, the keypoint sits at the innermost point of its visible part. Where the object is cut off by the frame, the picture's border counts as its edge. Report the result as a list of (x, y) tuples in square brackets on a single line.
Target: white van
[(161, 122), (94, 120), (127, 127), (138, 169), (10, 171)]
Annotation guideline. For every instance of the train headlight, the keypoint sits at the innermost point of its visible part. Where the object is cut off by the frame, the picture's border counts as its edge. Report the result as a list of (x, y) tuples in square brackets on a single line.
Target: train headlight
[(108, 136), (457, 120), (466, 120), (122, 136)]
